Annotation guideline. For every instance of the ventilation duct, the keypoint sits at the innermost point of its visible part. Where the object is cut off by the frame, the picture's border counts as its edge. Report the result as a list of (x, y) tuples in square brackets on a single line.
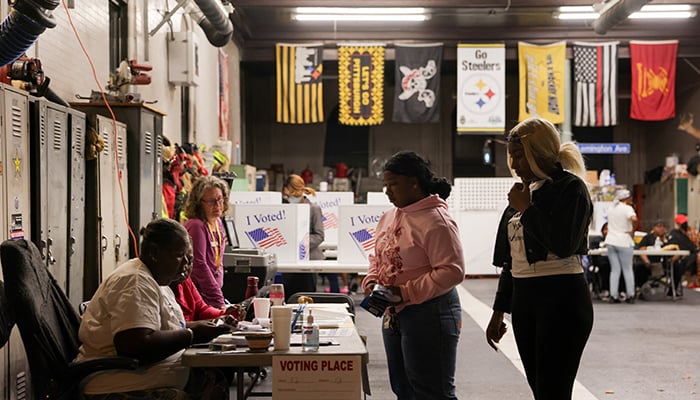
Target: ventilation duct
[(616, 13), (213, 21), (27, 20)]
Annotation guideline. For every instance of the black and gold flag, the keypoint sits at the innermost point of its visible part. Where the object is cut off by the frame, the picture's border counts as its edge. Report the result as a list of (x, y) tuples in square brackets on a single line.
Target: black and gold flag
[(299, 84)]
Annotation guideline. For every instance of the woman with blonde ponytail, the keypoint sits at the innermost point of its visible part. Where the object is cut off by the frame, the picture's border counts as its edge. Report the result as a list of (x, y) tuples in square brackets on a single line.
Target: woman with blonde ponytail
[(542, 234)]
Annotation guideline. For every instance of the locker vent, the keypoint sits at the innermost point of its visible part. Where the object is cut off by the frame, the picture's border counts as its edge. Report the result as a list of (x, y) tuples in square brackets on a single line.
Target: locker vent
[(21, 386), (120, 147), (17, 121), (42, 129), (107, 143), (148, 142), (79, 139), (57, 135), (159, 147)]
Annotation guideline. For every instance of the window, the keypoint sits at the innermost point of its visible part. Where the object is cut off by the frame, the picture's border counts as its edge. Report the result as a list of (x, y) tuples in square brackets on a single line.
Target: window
[(118, 33)]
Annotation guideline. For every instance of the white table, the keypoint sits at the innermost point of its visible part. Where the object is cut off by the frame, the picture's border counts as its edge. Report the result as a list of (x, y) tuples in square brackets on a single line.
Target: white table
[(329, 266), (650, 252)]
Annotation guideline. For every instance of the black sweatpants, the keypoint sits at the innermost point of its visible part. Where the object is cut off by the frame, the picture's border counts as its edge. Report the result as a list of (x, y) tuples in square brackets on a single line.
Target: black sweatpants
[(552, 319)]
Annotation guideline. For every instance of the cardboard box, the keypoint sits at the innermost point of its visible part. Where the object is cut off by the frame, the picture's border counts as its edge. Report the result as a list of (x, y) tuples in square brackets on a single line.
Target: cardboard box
[(281, 229), (245, 178), (356, 231), (260, 198), (330, 203)]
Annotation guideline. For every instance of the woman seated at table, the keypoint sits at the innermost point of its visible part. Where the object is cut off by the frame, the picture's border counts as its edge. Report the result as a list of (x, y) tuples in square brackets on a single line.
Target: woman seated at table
[(134, 314), (651, 266)]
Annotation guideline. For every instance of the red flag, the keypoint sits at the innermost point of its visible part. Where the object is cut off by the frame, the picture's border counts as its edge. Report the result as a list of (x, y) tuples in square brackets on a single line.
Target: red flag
[(653, 80)]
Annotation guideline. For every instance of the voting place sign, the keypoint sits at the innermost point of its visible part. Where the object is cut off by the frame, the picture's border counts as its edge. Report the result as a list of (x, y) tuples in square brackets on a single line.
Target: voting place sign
[(255, 198), (281, 229), (304, 377), (357, 231), (330, 203)]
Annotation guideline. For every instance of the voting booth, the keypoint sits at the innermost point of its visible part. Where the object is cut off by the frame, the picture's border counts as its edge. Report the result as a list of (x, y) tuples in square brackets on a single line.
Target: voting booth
[(282, 229), (330, 203), (255, 198), (356, 231), (378, 198)]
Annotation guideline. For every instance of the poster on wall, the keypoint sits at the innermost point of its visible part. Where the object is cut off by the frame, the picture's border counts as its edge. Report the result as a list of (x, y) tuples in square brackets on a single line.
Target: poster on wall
[(361, 84), (542, 73), (481, 85)]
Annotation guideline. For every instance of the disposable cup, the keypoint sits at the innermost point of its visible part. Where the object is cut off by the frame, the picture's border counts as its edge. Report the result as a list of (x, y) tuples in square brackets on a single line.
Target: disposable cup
[(281, 317), (261, 307)]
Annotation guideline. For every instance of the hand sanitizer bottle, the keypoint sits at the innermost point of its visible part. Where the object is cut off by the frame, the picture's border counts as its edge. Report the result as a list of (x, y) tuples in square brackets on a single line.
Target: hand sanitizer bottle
[(309, 334)]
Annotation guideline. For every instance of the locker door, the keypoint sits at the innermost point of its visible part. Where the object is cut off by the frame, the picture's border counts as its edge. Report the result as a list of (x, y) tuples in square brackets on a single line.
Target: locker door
[(106, 195), (121, 228), (158, 170), (15, 156), (148, 149), (76, 208), (56, 188)]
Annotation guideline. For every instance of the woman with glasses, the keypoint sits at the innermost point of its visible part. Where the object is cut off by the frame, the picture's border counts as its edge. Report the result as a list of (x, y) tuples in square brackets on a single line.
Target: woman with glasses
[(206, 203), (541, 237)]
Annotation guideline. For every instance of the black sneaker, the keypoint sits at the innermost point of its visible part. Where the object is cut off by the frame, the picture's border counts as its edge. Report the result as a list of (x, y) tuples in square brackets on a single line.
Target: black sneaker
[(614, 300), (629, 300)]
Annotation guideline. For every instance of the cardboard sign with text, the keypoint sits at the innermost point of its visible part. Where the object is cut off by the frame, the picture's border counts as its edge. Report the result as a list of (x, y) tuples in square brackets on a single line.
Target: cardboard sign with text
[(356, 231), (281, 229), (304, 377), (330, 203)]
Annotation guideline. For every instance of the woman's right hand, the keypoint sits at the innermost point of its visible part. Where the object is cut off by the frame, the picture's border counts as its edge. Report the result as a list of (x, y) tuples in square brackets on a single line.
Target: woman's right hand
[(496, 329), (205, 331), (369, 287)]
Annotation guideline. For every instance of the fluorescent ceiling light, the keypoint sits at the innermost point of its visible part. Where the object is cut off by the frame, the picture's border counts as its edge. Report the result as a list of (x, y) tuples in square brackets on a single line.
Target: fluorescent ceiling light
[(650, 11), (359, 14)]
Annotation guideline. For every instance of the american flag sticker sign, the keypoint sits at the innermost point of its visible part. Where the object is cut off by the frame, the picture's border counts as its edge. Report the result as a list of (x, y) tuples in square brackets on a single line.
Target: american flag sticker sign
[(330, 221), (364, 238), (266, 237)]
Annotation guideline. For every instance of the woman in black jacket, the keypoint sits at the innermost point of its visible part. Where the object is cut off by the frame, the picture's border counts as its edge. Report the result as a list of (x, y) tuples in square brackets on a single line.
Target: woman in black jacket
[(541, 237)]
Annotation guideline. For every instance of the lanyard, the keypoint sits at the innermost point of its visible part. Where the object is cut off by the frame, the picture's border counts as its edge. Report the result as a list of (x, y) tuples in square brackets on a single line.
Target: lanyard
[(215, 243)]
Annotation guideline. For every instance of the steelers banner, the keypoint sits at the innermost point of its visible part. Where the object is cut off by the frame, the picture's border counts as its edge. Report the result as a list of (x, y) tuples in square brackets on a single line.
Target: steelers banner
[(299, 84), (542, 81), (361, 84), (481, 88)]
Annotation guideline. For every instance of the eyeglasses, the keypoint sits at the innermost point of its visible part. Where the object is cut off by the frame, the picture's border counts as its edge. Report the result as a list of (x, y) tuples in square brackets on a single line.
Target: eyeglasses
[(214, 202)]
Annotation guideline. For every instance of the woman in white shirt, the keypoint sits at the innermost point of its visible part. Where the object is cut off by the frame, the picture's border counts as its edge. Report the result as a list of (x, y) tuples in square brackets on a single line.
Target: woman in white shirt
[(620, 244)]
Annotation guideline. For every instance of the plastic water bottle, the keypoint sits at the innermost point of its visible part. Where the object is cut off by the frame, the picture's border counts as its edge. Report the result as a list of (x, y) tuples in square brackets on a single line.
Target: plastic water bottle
[(612, 179)]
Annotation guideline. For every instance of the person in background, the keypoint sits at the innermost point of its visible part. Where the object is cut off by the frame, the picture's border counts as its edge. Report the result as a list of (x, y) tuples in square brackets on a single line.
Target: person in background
[(295, 191), (602, 275), (418, 256), (206, 204), (193, 306), (134, 314), (651, 266), (686, 238), (541, 238), (620, 244)]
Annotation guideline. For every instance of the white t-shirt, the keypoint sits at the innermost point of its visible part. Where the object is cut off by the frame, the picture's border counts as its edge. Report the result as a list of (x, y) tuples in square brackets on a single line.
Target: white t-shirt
[(620, 226), (131, 298)]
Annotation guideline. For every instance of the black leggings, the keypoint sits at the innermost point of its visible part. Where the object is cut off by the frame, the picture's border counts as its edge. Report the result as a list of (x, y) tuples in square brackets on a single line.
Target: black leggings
[(552, 319)]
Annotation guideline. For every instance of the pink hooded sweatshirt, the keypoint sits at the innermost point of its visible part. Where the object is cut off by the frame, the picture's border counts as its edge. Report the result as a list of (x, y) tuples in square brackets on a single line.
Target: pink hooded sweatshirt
[(418, 249)]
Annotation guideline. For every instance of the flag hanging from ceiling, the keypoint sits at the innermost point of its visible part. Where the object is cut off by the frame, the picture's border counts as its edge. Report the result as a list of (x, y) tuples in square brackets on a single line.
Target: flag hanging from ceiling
[(361, 84), (417, 83), (481, 88), (653, 79), (542, 81), (595, 80), (299, 86)]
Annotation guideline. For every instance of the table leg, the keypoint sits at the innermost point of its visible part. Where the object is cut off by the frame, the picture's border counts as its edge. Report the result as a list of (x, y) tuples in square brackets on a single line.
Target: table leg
[(673, 283), (240, 389)]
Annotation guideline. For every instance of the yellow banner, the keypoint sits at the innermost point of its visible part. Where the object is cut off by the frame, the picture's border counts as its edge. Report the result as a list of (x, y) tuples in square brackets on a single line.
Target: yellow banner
[(542, 81), (361, 85)]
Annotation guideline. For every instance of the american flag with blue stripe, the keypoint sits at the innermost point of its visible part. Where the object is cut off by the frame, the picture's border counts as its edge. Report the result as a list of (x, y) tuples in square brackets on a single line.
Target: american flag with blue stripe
[(364, 238), (266, 237), (330, 221)]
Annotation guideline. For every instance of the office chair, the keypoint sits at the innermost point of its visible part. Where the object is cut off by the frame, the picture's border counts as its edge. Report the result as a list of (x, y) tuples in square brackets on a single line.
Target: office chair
[(49, 324)]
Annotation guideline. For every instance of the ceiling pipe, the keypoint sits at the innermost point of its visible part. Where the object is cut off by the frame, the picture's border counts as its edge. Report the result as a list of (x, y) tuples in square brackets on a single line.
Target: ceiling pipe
[(617, 13), (214, 22)]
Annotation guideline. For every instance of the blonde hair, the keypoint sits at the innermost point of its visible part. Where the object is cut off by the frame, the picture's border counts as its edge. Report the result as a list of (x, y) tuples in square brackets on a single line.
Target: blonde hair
[(295, 186), (193, 206), (543, 149)]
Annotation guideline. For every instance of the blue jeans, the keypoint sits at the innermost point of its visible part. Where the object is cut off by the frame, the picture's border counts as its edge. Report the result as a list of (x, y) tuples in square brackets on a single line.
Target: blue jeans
[(621, 261), (421, 348)]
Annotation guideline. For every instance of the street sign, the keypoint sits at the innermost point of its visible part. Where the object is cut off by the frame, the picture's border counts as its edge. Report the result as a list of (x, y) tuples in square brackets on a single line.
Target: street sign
[(605, 148)]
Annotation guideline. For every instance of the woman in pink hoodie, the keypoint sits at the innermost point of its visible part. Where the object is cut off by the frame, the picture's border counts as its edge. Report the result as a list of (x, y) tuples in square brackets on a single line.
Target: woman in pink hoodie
[(418, 256)]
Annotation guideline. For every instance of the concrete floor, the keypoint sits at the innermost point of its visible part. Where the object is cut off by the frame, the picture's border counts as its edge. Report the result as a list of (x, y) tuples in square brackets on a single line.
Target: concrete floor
[(644, 351)]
